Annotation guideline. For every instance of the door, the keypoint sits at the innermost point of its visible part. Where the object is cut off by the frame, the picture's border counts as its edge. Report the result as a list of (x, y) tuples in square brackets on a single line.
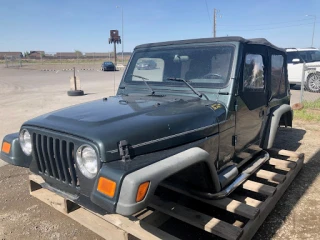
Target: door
[(294, 69), (252, 101)]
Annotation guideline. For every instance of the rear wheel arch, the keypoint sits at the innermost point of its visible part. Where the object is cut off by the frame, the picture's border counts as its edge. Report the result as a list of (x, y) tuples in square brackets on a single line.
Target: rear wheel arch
[(279, 115), (286, 119)]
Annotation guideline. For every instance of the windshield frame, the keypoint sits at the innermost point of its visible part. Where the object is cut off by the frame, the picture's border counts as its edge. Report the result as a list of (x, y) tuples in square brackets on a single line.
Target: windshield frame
[(180, 85)]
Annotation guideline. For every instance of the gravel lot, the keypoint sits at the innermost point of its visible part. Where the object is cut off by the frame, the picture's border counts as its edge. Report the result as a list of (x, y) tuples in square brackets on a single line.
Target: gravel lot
[(28, 93)]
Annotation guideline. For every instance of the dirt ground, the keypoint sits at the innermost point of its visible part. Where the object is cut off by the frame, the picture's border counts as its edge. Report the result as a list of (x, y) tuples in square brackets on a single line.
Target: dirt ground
[(25, 94), (28, 93), (297, 214)]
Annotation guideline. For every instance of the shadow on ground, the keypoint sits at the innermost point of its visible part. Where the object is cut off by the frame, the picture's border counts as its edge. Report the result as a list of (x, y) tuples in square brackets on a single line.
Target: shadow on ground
[(290, 139), (287, 138), (85, 94)]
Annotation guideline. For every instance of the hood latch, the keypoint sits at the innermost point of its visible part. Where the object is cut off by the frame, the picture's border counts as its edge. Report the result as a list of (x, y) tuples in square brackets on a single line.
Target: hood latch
[(124, 150)]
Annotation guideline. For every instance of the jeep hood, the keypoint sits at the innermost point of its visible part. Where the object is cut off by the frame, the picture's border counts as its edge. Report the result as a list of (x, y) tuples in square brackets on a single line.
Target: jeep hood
[(147, 123)]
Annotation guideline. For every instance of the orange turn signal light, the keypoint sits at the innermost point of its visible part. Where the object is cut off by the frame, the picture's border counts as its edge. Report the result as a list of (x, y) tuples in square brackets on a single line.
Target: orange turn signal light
[(107, 186), (142, 191), (6, 147)]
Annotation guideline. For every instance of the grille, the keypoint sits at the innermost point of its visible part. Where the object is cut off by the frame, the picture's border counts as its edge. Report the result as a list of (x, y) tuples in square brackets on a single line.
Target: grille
[(55, 158)]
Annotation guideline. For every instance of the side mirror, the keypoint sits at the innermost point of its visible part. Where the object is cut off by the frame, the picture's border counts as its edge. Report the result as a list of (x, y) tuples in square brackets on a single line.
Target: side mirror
[(296, 60)]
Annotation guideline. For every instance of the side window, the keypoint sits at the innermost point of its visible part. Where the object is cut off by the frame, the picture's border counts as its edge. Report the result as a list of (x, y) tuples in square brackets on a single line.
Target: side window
[(150, 68), (305, 56), (253, 73), (291, 56), (278, 85)]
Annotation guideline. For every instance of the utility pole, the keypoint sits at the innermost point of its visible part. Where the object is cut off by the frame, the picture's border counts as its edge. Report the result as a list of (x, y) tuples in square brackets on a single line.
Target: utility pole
[(115, 53), (214, 22), (122, 44), (215, 12), (314, 25)]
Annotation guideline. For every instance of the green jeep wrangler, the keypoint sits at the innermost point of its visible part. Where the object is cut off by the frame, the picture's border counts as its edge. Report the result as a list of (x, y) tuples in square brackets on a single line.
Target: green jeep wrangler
[(200, 119)]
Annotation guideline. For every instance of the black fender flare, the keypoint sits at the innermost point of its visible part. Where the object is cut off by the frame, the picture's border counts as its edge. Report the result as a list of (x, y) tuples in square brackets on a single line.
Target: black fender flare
[(273, 121)]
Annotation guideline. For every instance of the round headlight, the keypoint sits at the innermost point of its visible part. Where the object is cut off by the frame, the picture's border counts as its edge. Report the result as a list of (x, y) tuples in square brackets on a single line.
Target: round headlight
[(25, 142), (87, 161)]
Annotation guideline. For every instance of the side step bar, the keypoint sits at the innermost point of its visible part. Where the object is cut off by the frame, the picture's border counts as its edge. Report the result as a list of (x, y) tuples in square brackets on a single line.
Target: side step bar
[(246, 173)]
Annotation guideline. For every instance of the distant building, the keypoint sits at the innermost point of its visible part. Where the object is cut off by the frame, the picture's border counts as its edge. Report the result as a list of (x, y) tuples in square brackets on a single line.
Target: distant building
[(67, 55), (124, 53), (36, 54), (4, 55), (49, 55), (97, 54)]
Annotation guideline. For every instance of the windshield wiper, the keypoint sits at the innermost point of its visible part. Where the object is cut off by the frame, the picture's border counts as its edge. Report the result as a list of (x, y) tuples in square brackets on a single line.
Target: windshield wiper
[(192, 88), (145, 82)]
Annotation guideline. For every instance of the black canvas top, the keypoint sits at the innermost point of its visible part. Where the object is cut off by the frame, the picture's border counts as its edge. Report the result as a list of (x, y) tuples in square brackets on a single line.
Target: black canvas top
[(260, 41)]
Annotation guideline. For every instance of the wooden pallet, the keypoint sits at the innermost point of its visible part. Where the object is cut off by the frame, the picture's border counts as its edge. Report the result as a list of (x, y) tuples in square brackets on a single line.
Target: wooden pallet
[(244, 210)]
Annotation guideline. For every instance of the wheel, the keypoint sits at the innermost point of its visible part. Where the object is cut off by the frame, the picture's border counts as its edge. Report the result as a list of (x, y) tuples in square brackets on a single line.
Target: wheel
[(73, 93), (313, 82)]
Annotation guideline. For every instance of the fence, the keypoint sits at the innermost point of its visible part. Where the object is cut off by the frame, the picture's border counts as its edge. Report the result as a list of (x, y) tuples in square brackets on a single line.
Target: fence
[(310, 86), (60, 60), (12, 61), (75, 57)]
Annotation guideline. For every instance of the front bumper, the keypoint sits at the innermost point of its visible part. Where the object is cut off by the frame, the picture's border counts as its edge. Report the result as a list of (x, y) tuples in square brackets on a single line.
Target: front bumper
[(128, 176), (109, 69), (15, 156), (128, 182)]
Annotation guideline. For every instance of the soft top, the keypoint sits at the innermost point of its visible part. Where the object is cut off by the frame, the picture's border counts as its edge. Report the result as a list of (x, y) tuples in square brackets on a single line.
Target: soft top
[(259, 41)]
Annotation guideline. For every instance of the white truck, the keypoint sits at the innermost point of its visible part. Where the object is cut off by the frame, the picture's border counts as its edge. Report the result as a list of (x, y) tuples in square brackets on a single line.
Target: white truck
[(296, 57)]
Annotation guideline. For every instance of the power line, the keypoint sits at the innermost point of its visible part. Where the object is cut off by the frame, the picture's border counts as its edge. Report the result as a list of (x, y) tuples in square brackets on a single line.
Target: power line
[(208, 11), (269, 28), (214, 22), (264, 24)]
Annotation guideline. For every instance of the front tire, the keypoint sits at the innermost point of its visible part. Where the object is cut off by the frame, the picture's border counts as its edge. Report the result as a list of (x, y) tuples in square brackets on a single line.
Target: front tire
[(313, 82)]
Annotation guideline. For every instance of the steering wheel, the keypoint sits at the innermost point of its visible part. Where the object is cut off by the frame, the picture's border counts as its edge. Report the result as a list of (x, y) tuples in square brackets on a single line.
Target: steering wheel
[(212, 76)]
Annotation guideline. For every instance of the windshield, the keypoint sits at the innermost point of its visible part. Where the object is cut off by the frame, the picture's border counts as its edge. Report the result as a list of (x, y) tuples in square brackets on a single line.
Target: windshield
[(307, 56), (107, 63), (200, 66)]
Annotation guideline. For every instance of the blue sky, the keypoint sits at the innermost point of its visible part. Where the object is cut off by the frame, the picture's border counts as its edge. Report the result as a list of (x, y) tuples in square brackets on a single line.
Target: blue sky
[(68, 25)]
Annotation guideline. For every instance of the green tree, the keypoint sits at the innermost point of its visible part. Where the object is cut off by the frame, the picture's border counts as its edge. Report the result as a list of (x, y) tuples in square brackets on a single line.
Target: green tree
[(78, 53), (26, 54)]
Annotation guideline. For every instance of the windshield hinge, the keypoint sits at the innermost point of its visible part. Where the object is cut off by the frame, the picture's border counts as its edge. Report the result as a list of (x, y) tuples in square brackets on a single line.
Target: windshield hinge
[(124, 150), (234, 140), (236, 105)]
